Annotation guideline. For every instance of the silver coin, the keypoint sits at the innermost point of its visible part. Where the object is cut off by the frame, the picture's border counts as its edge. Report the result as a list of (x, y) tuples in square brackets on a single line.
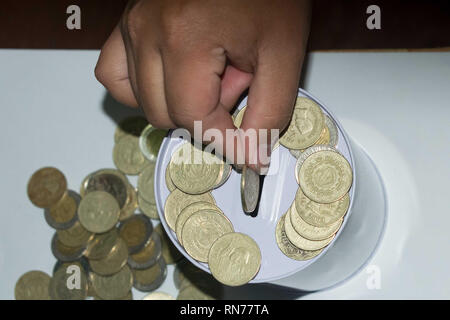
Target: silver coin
[(155, 238), (154, 283), (308, 152), (148, 231), (75, 253), (63, 225), (296, 153), (332, 128), (250, 185)]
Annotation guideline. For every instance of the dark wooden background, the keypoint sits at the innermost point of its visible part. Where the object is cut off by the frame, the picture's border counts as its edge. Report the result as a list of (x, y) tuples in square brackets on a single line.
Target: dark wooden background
[(337, 24)]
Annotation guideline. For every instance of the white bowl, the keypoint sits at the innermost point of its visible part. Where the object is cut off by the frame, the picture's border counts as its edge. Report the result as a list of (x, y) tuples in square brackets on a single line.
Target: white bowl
[(277, 196)]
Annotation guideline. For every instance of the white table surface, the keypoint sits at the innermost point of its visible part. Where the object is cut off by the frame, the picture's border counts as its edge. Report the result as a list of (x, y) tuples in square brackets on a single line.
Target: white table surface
[(396, 105)]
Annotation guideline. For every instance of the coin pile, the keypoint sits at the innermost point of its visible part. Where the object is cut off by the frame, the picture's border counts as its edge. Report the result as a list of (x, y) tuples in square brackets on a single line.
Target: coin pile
[(201, 227), (324, 177), (99, 237)]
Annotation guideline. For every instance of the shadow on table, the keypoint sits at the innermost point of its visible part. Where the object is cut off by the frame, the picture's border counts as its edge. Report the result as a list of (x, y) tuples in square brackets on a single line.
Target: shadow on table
[(117, 111)]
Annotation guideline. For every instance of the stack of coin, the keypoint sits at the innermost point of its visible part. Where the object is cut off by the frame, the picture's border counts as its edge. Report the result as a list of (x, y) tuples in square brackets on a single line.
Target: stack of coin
[(201, 227), (324, 177)]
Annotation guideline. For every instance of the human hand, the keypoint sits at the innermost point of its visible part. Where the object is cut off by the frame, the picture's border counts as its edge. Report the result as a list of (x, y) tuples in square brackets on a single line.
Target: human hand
[(187, 60)]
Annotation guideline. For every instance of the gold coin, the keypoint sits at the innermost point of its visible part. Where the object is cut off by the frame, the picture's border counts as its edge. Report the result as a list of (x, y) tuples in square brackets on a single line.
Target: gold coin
[(65, 253), (201, 230), (128, 157), (320, 214), (169, 183), (147, 208), (46, 187), (63, 215), (237, 120), (98, 211), (112, 287), (148, 255), (194, 171), (150, 279), (178, 200), (75, 236), (158, 296), (32, 285), (189, 211), (101, 244), (325, 176), (194, 293), (113, 262), (288, 248), (133, 126), (234, 259), (146, 183), (68, 285), (150, 141), (136, 231), (299, 241), (131, 204), (169, 252), (81, 263), (311, 232), (306, 125)]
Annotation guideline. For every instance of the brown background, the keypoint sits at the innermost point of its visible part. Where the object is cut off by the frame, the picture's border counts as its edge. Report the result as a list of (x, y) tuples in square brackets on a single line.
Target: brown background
[(337, 25)]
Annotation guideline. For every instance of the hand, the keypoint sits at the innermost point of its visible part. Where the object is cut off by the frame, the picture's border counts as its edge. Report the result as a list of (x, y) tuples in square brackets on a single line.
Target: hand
[(187, 60)]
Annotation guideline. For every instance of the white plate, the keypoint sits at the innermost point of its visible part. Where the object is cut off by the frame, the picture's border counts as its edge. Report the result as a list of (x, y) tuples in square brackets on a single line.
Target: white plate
[(277, 196)]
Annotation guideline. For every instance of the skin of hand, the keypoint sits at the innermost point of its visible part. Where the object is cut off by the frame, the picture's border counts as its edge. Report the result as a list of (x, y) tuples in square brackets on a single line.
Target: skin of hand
[(188, 60)]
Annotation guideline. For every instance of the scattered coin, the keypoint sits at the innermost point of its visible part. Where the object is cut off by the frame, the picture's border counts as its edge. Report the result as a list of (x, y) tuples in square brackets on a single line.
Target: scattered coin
[(68, 286), (325, 176), (150, 142), (193, 293), (130, 205), (65, 253), (33, 285), (146, 182), (201, 230), (112, 287), (75, 236), (128, 157), (150, 279), (147, 256), (101, 244), (63, 215), (98, 211), (46, 187), (113, 262), (234, 259), (136, 231), (110, 181), (147, 208)]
